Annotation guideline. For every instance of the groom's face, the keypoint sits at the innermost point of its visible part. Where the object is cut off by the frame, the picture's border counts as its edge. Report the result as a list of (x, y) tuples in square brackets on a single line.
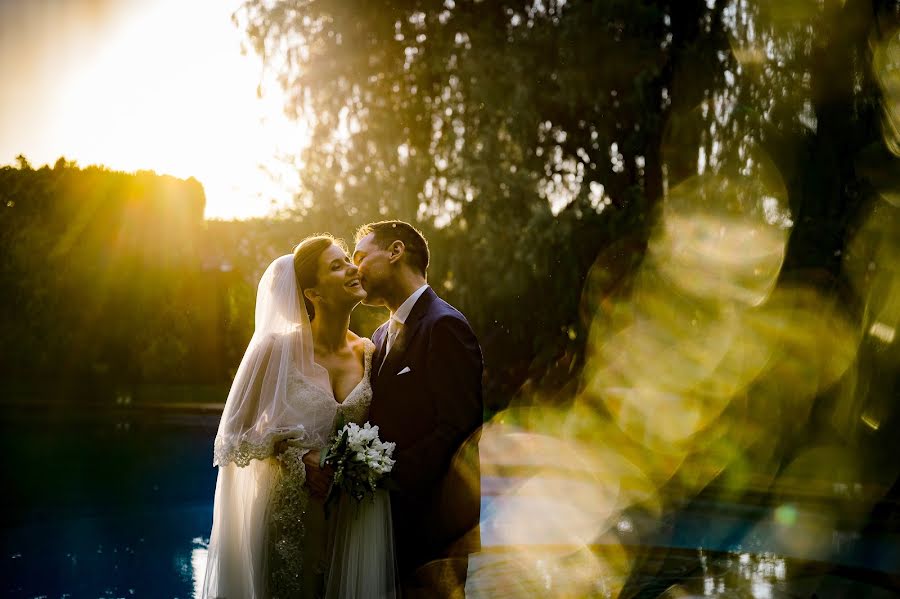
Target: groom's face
[(373, 263)]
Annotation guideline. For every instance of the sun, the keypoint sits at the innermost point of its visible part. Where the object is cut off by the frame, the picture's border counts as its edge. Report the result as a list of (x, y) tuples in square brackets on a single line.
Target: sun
[(170, 91)]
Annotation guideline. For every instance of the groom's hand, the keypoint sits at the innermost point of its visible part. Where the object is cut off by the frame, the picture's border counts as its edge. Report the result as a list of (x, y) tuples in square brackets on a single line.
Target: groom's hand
[(317, 479)]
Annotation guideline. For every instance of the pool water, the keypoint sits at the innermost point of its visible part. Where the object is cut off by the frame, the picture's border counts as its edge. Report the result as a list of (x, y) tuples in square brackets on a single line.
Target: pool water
[(119, 504)]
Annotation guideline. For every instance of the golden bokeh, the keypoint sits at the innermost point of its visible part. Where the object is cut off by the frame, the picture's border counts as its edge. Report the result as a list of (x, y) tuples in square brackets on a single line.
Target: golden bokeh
[(694, 369), (886, 65)]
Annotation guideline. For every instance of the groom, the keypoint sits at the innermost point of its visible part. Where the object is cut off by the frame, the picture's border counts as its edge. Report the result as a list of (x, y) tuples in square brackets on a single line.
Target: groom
[(426, 380)]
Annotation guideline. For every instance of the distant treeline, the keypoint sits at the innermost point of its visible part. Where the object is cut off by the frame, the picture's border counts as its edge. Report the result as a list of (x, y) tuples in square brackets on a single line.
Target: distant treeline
[(107, 279), (112, 279)]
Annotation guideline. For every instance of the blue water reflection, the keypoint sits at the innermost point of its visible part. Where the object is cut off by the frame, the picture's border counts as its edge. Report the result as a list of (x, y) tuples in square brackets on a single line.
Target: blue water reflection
[(111, 505), (120, 505)]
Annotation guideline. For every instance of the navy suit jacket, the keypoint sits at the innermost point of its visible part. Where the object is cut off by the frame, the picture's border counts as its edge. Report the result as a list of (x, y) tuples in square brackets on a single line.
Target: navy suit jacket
[(433, 412)]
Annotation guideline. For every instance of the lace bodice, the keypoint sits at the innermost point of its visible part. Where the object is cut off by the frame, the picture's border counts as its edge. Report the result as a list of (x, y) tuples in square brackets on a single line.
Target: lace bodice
[(321, 412), (291, 573), (355, 407)]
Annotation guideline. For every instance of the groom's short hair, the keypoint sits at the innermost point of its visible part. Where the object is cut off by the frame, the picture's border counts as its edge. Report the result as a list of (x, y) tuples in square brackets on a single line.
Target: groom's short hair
[(388, 231)]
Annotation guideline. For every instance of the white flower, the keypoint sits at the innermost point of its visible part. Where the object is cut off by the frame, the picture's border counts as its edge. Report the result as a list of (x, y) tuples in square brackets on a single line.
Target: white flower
[(364, 448), (389, 448)]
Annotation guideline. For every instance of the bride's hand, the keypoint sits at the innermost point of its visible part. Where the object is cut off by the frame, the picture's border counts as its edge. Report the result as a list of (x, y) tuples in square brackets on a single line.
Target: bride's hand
[(312, 458), (317, 479), (285, 444)]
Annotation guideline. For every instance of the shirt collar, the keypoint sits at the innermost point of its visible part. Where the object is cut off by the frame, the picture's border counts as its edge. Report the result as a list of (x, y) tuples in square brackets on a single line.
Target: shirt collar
[(406, 307)]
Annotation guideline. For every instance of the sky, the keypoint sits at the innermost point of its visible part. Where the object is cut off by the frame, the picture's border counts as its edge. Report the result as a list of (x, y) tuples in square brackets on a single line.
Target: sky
[(146, 85)]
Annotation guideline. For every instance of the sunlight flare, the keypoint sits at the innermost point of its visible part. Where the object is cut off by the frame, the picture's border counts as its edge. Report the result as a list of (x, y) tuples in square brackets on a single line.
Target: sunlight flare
[(166, 88)]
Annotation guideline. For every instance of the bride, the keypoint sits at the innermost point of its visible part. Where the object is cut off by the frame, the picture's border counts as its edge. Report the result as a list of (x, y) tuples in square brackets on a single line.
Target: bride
[(302, 374)]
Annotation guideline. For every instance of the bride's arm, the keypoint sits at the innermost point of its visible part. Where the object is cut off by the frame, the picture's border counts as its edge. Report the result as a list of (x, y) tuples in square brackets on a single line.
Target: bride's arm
[(234, 438), (246, 431), (297, 457)]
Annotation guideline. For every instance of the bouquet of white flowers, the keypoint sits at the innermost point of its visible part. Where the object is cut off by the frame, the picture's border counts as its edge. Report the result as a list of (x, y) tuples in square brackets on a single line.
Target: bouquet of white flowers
[(360, 461)]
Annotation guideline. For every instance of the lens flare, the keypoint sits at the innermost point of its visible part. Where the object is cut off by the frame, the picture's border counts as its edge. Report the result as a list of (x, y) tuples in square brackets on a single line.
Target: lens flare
[(886, 66), (872, 263), (722, 238), (554, 503)]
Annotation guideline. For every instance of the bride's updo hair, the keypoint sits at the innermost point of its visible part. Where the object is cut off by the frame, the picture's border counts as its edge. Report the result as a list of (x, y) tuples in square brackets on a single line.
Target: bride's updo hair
[(306, 264)]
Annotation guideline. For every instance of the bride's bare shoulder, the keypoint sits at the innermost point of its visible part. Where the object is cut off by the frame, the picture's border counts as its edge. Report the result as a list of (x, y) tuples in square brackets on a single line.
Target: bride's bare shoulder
[(359, 344)]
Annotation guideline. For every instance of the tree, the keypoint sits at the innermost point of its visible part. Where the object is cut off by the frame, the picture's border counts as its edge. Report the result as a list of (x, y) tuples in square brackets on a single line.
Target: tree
[(505, 129)]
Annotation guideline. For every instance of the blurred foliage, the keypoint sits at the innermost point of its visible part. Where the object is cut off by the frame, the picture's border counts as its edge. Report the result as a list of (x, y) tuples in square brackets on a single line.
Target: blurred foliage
[(528, 138), (672, 224), (105, 282), (535, 143), (113, 279)]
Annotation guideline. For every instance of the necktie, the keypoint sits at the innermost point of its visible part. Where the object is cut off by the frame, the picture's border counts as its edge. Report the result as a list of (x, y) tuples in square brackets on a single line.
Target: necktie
[(393, 330)]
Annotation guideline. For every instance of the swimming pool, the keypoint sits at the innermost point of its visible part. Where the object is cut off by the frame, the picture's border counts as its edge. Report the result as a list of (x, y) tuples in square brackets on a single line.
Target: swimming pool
[(119, 504)]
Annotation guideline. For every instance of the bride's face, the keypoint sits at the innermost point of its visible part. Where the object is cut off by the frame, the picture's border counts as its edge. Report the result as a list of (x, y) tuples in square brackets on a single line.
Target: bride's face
[(338, 278)]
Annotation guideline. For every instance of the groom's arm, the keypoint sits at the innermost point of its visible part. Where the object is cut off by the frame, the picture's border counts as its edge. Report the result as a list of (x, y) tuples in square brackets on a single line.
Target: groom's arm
[(453, 373)]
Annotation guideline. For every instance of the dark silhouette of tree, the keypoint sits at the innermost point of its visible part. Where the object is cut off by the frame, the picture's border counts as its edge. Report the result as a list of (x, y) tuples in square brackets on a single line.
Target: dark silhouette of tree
[(526, 138), (104, 280)]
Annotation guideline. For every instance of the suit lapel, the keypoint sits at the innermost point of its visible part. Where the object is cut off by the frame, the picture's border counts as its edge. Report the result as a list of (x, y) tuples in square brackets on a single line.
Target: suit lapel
[(407, 333)]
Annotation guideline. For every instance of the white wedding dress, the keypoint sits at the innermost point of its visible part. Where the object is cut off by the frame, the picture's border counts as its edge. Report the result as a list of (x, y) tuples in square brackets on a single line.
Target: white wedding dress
[(361, 559), (269, 539)]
